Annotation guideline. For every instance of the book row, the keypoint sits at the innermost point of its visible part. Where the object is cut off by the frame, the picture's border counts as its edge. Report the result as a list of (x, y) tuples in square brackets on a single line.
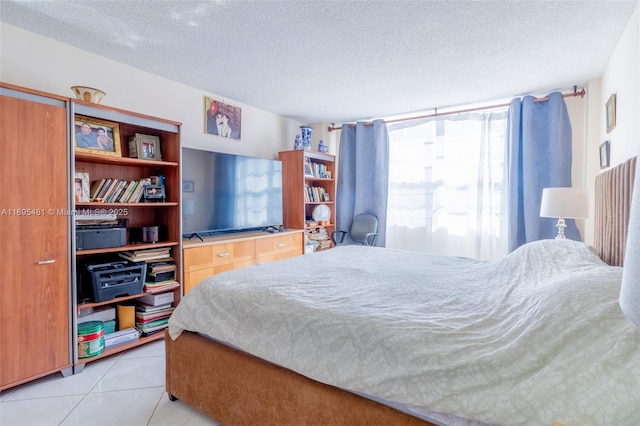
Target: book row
[(320, 170), (110, 190), (315, 194)]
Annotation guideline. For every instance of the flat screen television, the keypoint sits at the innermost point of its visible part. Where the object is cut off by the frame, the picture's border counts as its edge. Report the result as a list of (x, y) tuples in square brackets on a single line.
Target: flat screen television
[(224, 193)]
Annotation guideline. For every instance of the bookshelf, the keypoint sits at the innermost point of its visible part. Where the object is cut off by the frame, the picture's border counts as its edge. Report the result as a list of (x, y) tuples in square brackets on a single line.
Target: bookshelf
[(164, 213), (307, 177)]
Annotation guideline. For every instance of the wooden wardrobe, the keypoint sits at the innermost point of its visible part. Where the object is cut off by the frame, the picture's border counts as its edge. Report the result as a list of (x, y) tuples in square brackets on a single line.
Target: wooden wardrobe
[(35, 314)]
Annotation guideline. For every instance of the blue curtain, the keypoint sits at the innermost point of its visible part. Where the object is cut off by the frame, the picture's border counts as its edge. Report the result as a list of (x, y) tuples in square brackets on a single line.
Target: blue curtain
[(539, 156), (363, 175)]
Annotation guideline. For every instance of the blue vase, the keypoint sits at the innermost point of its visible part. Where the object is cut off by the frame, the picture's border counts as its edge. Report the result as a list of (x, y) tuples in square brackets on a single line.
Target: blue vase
[(297, 144), (306, 137), (322, 147)]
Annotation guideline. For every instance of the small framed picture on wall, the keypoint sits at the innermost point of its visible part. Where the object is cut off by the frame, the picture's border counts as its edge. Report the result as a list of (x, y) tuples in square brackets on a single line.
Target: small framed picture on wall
[(611, 113), (604, 154)]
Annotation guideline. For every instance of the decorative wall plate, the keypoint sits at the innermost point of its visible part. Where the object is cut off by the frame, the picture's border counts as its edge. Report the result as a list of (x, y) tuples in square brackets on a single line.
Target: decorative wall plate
[(321, 213)]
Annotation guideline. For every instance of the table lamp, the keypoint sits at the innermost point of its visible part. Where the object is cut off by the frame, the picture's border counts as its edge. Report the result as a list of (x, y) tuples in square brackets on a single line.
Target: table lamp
[(630, 291), (564, 203)]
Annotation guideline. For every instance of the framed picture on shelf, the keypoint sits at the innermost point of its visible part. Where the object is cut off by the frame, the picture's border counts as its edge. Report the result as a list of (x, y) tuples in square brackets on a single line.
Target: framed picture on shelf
[(604, 154), (81, 187), (308, 169), (95, 136), (145, 147), (611, 113)]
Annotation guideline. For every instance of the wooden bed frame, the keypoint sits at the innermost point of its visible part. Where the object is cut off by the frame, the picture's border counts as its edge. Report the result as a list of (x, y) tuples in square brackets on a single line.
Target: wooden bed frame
[(236, 388)]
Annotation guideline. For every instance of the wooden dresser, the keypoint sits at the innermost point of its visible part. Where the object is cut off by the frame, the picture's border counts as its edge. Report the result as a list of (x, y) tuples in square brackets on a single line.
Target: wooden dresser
[(222, 253)]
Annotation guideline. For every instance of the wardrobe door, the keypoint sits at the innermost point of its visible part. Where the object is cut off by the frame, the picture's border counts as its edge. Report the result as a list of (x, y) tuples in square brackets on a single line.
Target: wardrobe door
[(34, 238)]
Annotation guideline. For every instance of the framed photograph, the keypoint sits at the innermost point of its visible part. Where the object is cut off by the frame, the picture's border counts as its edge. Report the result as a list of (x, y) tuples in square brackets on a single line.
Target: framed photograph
[(611, 113), (145, 147), (188, 186), (222, 119), (308, 169), (604, 154), (81, 187), (96, 136)]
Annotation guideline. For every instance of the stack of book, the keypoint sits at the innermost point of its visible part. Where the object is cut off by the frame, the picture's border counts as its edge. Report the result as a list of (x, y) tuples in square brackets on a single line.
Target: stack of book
[(161, 276), (151, 319), (319, 238), (161, 270), (110, 190), (148, 255)]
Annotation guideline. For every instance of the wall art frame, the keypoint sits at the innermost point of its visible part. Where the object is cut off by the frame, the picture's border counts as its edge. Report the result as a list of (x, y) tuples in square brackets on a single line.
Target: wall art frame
[(222, 119), (605, 148), (611, 113)]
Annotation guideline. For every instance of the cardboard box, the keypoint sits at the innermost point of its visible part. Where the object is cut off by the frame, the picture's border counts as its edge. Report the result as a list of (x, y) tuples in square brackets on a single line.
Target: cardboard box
[(157, 299)]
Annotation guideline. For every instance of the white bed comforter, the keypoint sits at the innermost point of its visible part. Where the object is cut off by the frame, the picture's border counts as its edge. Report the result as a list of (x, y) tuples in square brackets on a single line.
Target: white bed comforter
[(534, 338)]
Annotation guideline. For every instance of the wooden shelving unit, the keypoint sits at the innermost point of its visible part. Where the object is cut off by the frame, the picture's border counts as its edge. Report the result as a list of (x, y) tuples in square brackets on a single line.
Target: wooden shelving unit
[(140, 214), (298, 211)]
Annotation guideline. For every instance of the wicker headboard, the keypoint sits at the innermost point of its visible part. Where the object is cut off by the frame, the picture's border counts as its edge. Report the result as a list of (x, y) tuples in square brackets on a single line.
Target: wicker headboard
[(613, 201)]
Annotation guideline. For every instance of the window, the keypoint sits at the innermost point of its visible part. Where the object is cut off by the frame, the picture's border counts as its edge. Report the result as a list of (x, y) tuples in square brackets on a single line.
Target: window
[(446, 185)]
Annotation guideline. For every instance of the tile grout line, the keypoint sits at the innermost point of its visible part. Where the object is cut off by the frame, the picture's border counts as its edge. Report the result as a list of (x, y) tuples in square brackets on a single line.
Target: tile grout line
[(92, 387)]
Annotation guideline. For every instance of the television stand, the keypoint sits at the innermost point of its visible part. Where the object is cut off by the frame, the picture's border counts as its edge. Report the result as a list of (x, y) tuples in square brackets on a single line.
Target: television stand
[(223, 252)]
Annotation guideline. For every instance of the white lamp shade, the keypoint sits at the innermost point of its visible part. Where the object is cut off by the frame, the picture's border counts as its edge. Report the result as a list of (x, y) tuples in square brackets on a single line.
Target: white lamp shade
[(630, 291), (572, 203)]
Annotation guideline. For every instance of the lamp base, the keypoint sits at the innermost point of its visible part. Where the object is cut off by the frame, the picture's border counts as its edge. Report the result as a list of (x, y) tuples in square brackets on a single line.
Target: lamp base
[(560, 225)]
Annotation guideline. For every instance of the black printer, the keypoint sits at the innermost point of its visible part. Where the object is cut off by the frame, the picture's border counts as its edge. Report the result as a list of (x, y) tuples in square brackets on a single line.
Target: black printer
[(100, 236), (106, 281)]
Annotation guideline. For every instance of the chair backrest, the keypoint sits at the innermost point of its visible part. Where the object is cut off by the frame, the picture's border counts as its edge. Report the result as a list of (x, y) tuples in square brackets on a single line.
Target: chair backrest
[(364, 225)]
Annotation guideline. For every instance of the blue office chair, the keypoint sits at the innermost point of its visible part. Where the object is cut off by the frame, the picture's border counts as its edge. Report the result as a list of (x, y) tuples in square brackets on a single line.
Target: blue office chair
[(364, 230)]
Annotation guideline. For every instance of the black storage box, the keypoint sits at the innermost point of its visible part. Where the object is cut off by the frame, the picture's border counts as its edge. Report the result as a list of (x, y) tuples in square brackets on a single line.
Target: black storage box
[(95, 238), (116, 279)]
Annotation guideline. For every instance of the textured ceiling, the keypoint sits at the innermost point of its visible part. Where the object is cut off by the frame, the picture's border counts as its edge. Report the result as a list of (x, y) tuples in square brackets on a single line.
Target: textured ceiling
[(339, 61)]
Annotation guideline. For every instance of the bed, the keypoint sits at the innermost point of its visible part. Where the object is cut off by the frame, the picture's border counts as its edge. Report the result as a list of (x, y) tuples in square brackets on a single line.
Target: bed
[(534, 338)]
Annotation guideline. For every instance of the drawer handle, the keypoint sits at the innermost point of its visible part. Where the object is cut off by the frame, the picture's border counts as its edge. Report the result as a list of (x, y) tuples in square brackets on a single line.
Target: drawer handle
[(281, 244), (46, 262), (225, 254)]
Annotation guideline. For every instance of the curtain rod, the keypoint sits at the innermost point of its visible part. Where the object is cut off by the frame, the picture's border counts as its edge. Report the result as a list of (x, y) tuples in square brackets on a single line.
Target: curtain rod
[(575, 93)]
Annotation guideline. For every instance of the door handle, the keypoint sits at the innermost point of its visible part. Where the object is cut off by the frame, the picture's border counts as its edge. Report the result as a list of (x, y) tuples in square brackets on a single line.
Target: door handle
[(46, 262)]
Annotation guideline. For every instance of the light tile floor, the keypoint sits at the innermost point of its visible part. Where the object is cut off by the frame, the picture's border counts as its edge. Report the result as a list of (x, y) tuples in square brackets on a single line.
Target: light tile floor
[(125, 389)]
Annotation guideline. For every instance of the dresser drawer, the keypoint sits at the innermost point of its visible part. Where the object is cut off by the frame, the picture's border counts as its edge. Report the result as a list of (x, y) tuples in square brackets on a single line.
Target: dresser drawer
[(218, 254), (278, 247), (209, 258)]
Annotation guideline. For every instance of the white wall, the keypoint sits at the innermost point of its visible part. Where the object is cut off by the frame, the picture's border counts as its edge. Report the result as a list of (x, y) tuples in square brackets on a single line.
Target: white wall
[(30, 60), (621, 76)]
